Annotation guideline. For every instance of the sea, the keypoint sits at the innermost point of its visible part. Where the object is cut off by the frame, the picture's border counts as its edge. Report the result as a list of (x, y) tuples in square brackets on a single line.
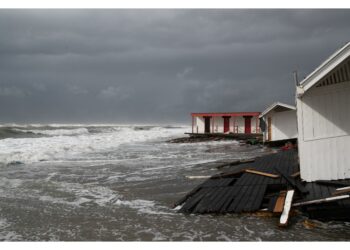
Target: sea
[(64, 182)]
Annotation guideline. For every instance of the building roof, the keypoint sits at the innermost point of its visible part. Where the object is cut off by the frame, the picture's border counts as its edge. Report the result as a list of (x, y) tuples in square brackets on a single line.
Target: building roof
[(327, 66), (227, 114), (276, 105)]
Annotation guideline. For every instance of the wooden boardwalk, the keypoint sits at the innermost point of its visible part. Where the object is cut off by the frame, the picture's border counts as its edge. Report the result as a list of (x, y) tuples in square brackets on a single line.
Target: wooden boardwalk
[(243, 192), (238, 191)]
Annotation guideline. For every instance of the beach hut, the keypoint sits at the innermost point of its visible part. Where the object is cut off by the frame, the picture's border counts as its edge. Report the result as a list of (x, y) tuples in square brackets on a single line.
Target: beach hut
[(323, 115), (280, 122), (234, 122)]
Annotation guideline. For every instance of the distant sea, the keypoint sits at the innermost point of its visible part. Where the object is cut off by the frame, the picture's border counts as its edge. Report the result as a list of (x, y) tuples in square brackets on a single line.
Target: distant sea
[(118, 183)]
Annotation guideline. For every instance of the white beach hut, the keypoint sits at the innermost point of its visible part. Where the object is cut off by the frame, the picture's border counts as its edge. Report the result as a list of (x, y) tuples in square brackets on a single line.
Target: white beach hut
[(233, 122), (280, 121), (323, 114)]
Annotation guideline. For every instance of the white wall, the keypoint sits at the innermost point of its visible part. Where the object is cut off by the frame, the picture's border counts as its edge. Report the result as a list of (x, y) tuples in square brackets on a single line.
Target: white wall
[(324, 132), (283, 125)]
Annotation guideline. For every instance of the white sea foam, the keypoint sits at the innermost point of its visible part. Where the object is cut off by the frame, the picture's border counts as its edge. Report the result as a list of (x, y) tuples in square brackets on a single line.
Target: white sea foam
[(5, 234), (79, 145), (56, 132)]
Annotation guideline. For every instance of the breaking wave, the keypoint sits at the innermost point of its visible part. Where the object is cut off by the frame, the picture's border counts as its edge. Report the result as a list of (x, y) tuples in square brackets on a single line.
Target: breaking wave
[(30, 144)]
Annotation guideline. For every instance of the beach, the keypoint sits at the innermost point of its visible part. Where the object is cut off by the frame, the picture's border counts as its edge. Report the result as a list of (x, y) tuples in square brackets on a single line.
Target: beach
[(118, 183)]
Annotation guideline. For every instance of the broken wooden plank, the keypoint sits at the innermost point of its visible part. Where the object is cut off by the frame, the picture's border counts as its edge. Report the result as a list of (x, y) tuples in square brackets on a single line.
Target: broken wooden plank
[(296, 174), (254, 203), (198, 177), (319, 201), (295, 183), (252, 171), (228, 174), (278, 208), (286, 209), (343, 190)]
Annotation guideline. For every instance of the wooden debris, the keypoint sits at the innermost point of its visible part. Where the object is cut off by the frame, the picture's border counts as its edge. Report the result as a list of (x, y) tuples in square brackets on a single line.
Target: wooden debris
[(278, 208), (286, 209), (263, 214), (198, 177), (295, 183), (319, 201), (252, 171), (308, 224), (228, 174), (296, 174), (343, 190)]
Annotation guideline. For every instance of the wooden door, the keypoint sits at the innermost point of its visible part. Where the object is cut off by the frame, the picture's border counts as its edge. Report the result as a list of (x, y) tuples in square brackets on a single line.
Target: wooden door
[(269, 130), (226, 123), (247, 124), (207, 124)]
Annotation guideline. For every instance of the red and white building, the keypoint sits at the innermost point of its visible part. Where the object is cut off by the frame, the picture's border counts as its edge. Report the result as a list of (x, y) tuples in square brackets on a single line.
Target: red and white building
[(234, 122)]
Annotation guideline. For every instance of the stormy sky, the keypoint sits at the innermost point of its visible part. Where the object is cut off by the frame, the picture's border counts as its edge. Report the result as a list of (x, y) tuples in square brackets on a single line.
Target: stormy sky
[(156, 66)]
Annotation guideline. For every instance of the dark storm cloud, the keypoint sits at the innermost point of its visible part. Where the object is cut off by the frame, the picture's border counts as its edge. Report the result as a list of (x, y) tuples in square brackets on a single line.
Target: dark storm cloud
[(156, 65)]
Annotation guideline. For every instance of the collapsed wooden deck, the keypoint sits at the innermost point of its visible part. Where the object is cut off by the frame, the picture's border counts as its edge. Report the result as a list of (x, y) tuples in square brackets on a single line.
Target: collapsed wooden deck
[(238, 190)]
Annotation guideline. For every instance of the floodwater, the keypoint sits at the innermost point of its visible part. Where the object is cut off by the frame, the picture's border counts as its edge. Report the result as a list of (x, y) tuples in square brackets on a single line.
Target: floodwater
[(118, 183)]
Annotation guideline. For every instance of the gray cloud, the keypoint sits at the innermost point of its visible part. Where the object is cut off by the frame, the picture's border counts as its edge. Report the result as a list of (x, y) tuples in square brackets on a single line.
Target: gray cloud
[(156, 65)]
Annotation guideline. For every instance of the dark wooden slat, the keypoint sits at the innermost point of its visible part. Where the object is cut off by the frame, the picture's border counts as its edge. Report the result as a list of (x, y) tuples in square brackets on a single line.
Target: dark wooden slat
[(227, 193), (212, 207), (296, 184), (188, 195), (232, 207), (193, 201), (254, 202), (230, 194), (205, 201), (250, 191), (216, 205), (229, 199)]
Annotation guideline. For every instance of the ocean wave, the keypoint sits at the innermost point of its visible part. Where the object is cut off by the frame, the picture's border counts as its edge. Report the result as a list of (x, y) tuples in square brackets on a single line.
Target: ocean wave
[(57, 132), (73, 144)]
